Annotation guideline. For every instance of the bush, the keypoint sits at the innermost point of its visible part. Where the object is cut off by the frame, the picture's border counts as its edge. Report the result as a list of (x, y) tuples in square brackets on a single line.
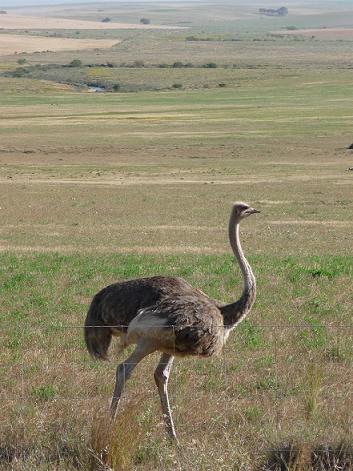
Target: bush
[(138, 63), (20, 72), (75, 63), (145, 21), (116, 87), (21, 61), (177, 85), (210, 65), (106, 20), (178, 64)]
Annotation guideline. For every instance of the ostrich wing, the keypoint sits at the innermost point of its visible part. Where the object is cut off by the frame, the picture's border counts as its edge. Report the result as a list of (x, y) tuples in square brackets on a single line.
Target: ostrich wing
[(183, 325)]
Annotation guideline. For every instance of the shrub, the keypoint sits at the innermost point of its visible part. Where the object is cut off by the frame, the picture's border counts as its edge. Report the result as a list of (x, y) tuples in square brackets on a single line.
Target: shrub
[(178, 64), (210, 65), (116, 87), (76, 63), (21, 61), (145, 21), (106, 20), (20, 72), (177, 85), (138, 63)]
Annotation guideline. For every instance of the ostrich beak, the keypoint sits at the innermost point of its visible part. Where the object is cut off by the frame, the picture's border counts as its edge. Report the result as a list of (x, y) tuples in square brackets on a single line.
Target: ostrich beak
[(254, 211)]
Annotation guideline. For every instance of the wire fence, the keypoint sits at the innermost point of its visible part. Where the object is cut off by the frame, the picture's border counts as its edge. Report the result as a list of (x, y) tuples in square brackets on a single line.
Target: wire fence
[(267, 383), (55, 354)]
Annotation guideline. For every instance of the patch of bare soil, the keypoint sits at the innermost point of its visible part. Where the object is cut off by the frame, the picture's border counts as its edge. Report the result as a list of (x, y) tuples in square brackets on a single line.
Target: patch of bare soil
[(17, 43), (134, 180)]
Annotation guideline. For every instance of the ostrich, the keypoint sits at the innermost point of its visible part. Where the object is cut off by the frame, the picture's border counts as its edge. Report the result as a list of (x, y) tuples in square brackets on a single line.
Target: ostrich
[(168, 315)]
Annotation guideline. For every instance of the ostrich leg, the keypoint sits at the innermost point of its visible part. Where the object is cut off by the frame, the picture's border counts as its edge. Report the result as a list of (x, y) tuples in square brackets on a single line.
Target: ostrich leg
[(124, 371), (161, 376)]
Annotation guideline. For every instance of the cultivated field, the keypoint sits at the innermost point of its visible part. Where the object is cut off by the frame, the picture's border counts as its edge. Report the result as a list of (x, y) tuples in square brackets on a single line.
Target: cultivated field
[(14, 43), (103, 187), (13, 21)]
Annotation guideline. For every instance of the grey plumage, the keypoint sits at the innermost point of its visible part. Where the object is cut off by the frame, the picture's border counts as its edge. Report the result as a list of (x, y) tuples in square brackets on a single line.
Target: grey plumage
[(166, 314)]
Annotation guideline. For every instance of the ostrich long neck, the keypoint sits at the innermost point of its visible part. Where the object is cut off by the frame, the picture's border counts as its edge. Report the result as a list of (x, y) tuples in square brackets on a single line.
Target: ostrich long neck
[(233, 313)]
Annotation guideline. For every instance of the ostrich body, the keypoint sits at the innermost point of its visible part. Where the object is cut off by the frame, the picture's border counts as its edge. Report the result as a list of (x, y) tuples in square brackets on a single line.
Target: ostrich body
[(167, 314)]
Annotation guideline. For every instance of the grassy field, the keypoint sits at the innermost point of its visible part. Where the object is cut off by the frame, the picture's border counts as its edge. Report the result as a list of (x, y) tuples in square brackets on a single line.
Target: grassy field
[(284, 374), (103, 187)]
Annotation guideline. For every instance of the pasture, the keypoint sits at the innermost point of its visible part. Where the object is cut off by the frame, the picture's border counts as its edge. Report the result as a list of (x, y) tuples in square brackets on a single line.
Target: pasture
[(104, 187)]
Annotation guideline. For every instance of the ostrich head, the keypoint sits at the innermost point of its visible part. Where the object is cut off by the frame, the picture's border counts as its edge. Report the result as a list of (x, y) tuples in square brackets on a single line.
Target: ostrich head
[(242, 210)]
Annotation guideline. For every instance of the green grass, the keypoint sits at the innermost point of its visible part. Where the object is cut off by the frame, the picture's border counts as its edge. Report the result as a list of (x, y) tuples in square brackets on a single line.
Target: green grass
[(261, 377), (275, 107)]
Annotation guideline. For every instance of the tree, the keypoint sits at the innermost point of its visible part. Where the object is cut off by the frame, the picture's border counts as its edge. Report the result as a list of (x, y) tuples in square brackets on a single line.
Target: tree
[(106, 20), (21, 61), (145, 21)]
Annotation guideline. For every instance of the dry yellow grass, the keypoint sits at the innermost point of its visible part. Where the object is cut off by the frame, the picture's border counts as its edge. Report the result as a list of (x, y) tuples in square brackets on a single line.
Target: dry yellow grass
[(320, 33), (17, 43), (11, 21)]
